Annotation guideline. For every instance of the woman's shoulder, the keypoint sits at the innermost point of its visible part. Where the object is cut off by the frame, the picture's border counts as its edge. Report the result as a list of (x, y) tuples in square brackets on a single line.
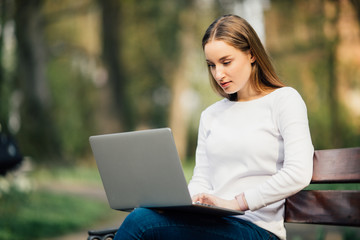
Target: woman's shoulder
[(286, 91), (215, 109), (217, 106), (286, 95), (288, 99)]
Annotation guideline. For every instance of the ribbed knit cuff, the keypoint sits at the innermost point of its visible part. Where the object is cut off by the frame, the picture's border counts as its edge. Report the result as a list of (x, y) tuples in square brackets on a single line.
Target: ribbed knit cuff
[(242, 202)]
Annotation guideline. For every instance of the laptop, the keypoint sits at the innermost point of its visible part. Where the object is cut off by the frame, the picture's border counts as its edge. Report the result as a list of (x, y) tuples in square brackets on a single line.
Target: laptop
[(143, 169)]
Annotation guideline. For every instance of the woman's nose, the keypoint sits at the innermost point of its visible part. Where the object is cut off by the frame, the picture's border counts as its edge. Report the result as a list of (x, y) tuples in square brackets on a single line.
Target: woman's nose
[(219, 74)]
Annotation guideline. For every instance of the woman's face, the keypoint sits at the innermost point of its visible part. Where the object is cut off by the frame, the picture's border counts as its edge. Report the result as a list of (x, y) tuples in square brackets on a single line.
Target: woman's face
[(231, 68)]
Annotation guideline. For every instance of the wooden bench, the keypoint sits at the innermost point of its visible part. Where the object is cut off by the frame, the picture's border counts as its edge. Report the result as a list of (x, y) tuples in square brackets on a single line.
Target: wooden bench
[(327, 207)]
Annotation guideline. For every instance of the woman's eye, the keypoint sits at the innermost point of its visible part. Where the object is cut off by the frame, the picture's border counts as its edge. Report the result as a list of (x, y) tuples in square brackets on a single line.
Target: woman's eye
[(227, 62), (211, 65)]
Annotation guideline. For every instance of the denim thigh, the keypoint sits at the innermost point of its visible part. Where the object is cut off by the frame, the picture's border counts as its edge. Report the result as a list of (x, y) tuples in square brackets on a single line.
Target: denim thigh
[(149, 224)]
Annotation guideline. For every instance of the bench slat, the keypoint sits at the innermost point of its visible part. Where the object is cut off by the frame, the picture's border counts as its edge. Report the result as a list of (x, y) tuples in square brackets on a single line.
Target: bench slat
[(337, 165), (328, 207)]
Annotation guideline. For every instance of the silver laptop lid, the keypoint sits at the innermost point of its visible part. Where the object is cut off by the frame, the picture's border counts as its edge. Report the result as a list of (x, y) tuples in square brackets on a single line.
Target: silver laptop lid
[(140, 169)]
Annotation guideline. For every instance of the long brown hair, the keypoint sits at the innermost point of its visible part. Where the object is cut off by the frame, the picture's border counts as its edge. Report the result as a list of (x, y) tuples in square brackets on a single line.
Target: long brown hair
[(238, 33)]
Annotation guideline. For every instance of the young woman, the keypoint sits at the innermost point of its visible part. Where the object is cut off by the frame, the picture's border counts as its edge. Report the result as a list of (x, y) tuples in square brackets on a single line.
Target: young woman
[(254, 146)]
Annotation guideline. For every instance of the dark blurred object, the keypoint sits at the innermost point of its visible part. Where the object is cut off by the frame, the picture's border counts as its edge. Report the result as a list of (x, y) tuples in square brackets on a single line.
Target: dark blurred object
[(105, 234), (10, 156)]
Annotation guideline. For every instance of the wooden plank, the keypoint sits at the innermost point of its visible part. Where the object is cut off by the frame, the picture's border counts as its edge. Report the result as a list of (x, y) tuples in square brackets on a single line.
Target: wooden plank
[(337, 165), (324, 207)]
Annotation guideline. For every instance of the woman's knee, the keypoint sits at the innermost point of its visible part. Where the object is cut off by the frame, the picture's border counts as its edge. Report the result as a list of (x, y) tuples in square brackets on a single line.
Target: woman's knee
[(136, 224)]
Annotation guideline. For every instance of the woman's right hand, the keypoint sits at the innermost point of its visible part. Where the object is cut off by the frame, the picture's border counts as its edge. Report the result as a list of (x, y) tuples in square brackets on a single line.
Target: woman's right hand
[(216, 201)]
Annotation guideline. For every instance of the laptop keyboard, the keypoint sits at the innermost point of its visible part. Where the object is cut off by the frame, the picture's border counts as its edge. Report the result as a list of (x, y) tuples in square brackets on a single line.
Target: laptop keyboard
[(203, 204)]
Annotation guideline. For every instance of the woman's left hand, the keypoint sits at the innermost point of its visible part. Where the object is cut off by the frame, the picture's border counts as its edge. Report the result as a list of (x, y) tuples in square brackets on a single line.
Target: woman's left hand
[(216, 201)]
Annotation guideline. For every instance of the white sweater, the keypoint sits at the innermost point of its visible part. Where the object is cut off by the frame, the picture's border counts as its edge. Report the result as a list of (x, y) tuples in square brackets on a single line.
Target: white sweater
[(262, 148)]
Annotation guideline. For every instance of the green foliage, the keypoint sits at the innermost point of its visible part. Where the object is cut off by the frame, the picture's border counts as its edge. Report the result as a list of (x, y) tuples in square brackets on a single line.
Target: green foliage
[(73, 101), (188, 168), (87, 175), (43, 214), (150, 53), (309, 60)]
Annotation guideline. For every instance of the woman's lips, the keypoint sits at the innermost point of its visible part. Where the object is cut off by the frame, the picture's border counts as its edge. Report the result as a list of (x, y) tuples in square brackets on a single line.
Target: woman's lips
[(224, 84)]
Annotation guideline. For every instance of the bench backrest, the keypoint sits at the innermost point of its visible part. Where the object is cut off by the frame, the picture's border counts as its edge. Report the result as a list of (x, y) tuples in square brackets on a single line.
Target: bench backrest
[(330, 207)]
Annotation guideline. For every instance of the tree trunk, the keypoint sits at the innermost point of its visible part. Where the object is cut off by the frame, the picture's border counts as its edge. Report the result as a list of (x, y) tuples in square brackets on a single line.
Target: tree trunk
[(179, 115), (332, 39), (5, 12), (37, 133), (111, 42)]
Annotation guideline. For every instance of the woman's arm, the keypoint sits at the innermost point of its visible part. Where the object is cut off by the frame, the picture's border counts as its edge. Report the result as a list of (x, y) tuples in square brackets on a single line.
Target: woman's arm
[(200, 182), (291, 118)]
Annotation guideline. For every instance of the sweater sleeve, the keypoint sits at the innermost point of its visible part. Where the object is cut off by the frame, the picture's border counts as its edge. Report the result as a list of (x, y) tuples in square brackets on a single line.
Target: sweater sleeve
[(290, 114), (200, 182)]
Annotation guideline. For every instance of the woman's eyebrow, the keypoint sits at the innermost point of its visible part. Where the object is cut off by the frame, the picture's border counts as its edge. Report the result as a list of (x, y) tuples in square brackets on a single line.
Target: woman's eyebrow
[(224, 57), (220, 59)]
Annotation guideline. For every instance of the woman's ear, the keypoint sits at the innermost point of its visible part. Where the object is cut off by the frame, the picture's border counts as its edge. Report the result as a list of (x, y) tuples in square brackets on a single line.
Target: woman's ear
[(252, 57)]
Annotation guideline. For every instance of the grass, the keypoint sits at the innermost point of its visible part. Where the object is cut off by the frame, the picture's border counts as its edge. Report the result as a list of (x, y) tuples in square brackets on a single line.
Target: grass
[(43, 214), (40, 214), (87, 175)]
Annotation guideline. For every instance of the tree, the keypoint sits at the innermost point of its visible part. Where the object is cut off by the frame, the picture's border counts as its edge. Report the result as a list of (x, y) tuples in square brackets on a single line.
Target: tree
[(6, 8), (112, 34), (37, 136)]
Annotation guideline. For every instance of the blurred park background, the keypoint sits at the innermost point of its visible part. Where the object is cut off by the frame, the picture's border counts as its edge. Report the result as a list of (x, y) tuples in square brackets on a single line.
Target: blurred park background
[(72, 69)]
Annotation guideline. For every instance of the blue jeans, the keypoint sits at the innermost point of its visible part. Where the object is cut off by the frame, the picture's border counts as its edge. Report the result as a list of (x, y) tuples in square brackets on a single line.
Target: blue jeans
[(150, 224)]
